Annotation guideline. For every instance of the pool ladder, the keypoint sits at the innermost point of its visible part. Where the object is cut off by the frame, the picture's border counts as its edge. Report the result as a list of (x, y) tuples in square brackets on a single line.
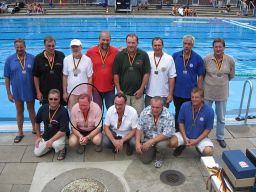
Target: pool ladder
[(239, 118)]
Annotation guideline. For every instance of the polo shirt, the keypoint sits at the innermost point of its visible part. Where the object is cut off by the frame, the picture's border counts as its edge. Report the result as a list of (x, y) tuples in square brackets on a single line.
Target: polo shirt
[(130, 80), (42, 69), (158, 84), (85, 67), (93, 118), (129, 120), (22, 85), (184, 83), (60, 121), (216, 87), (105, 83), (204, 120)]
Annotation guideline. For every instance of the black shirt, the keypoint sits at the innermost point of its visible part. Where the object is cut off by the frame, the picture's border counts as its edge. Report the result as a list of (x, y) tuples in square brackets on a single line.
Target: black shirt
[(60, 121), (48, 81)]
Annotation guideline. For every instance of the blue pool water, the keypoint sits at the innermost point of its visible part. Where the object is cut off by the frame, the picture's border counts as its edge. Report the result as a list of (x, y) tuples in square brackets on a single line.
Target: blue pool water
[(240, 37)]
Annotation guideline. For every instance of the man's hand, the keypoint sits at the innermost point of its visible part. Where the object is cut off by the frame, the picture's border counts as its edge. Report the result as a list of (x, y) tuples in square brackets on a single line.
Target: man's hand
[(169, 99), (65, 97), (138, 93), (83, 140), (192, 142), (37, 141), (139, 148), (118, 145), (49, 144), (149, 143), (120, 92), (39, 96), (10, 97)]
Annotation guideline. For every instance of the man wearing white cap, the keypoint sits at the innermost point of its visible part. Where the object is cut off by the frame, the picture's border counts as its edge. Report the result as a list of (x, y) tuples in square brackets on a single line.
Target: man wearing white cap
[(77, 69)]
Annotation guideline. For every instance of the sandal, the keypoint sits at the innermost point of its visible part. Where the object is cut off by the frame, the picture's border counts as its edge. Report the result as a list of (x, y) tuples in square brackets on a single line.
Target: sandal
[(18, 138), (62, 154)]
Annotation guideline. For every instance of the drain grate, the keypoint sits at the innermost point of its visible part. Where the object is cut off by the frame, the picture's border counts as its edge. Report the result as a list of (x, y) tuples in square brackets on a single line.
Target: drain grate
[(172, 177)]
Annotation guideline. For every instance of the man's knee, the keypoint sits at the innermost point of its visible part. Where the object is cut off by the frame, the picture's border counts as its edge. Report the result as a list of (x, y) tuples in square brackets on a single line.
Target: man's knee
[(173, 142), (73, 140), (97, 139), (208, 151)]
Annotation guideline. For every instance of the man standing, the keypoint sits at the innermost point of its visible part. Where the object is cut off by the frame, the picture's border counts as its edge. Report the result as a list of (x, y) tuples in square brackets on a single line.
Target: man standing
[(220, 69), (120, 125), (55, 119), (47, 70), (86, 121), (18, 75), (131, 72), (77, 69), (190, 71), (155, 127), (102, 57), (163, 73), (196, 121)]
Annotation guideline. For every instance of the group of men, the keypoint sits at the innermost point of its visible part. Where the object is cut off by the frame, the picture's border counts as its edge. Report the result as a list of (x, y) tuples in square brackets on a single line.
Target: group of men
[(142, 122)]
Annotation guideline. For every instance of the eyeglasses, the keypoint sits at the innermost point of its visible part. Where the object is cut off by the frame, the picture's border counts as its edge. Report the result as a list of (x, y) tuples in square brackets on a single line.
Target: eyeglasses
[(53, 99)]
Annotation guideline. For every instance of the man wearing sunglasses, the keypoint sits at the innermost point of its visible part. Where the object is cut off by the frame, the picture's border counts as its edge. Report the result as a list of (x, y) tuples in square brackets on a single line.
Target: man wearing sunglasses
[(47, 70), (56, 122)]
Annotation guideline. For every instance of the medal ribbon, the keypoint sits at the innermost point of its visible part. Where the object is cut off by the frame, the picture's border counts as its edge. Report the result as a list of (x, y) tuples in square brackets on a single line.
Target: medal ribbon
[(131, 61), (103, 59), (155, 121), (219, 65), (157, 63), (51, 117), (193, 114), (119, 121), (185, 63), (22, 64), (49, 62), (74, 62)]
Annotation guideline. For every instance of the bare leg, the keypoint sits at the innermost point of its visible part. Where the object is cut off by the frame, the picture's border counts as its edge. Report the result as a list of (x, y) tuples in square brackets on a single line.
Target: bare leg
[(32, 113), (20, 116)]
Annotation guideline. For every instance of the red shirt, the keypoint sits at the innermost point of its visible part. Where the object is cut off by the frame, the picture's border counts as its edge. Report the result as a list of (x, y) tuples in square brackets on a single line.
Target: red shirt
[(102, 76)]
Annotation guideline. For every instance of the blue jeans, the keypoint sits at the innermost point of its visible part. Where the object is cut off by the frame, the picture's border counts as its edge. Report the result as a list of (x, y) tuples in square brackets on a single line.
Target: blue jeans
[(107, 96), (220, 111)]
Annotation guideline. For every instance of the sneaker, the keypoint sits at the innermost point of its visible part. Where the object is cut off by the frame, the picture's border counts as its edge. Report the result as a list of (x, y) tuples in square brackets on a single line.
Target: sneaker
[(129, 150), (80, 149), (98, 148), (177, 152), (159, 163)]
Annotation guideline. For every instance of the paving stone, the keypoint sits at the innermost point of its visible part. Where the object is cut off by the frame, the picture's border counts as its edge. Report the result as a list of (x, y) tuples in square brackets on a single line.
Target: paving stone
[(28, 139), (18, 173), (218, 149), (104, 155), (242, 131), (7, 138), (253, 141), (31, 158), (1, 167), (227, 135), (5, 187), (20, 188), (241, 143), (11, 153), (71, 156)]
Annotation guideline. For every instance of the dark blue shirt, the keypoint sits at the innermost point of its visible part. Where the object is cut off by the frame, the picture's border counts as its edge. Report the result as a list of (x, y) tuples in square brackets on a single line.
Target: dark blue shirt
[(204, 119), (184, 83)]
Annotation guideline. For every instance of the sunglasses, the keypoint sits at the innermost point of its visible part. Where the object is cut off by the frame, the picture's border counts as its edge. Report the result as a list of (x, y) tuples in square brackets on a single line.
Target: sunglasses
[(53, 99)]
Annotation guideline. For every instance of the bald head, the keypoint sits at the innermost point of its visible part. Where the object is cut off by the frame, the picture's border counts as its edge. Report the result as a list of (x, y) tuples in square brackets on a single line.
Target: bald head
[(104, 40)]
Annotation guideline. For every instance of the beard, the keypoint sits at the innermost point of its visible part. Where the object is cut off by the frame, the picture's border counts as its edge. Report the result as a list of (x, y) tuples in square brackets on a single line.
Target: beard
[(76, 54), (105, 46)]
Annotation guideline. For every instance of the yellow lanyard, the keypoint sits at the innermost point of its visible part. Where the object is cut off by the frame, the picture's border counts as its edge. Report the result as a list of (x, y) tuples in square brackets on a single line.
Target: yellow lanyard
[(185, 64), (193, 115), (219, 65), (103, 58), (51, 117), (131, 61), (49, 62), (74, 62), (22, 64), (157, 63)]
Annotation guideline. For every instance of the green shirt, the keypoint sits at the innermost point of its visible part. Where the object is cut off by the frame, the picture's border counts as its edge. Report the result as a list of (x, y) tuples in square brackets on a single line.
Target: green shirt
[(131, 76)]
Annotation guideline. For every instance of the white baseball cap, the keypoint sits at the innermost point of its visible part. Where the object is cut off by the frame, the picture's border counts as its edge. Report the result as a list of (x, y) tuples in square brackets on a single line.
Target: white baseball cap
[(75, 42)]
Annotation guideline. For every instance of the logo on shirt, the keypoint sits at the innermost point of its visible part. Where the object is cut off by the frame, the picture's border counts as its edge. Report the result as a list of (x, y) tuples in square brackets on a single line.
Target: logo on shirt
[(201, 119), (191, 65), (139, 62), (163, 69), (29, 66)]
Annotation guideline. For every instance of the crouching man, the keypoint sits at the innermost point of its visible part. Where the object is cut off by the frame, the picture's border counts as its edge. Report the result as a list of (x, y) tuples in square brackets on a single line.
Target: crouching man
[(195, 123), (155, 127), (56, 120)]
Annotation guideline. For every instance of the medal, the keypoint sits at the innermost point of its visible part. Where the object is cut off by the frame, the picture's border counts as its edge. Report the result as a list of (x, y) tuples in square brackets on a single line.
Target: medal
[(185, 72), (50, 63), (219, 66), (131, 61), (195, 117), (24, 72), (76, 71), (157, 63), (103, 58), (130, 68), (156, 72), (50, 125), (52, 72), (23, 63), (185, 63), (51, 117)]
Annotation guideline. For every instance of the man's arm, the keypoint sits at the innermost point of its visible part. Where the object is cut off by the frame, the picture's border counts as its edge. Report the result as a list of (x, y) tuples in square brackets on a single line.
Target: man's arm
[(38, 134), (89, 89), (64, 86), (140, 91), (58, 135), (149, 143), (183, 132), (129, 135), (37, 86), (138, 144), (8, 89), (109, 133), (171, 88), (200, 81), (117, 83), (193, 142)]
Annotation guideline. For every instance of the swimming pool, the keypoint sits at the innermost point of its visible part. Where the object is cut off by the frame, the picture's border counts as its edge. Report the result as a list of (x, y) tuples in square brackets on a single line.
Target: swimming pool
[(240, 37)]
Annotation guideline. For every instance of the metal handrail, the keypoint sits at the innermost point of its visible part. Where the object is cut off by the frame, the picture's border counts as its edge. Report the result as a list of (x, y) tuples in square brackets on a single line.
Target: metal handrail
[(251, 3), (248, 103)]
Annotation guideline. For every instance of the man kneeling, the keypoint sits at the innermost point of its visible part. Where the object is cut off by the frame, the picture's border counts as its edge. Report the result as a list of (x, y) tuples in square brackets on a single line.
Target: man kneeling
[(86, 121), (55, 118), (155, 126), (195, 123)]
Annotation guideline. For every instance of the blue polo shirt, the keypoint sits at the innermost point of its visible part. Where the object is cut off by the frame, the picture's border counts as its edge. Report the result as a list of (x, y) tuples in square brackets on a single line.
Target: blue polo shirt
[(22, 85), (184, 83), (204, 119)]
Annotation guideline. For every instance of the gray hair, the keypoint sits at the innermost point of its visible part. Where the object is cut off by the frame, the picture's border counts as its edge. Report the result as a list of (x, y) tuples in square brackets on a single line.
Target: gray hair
[(158, 98), (190, 37)]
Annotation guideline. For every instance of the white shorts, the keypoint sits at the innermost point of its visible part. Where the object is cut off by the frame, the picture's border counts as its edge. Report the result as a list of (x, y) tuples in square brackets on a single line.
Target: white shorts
[(206, 142)]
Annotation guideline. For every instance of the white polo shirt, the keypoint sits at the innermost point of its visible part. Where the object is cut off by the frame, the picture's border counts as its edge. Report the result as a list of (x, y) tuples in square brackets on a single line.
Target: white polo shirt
[(129, 120), (85, 68), (158, 84)]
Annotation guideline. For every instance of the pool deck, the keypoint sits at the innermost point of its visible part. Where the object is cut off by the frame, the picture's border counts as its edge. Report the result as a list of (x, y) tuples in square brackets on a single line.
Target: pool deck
[(20, 169)]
